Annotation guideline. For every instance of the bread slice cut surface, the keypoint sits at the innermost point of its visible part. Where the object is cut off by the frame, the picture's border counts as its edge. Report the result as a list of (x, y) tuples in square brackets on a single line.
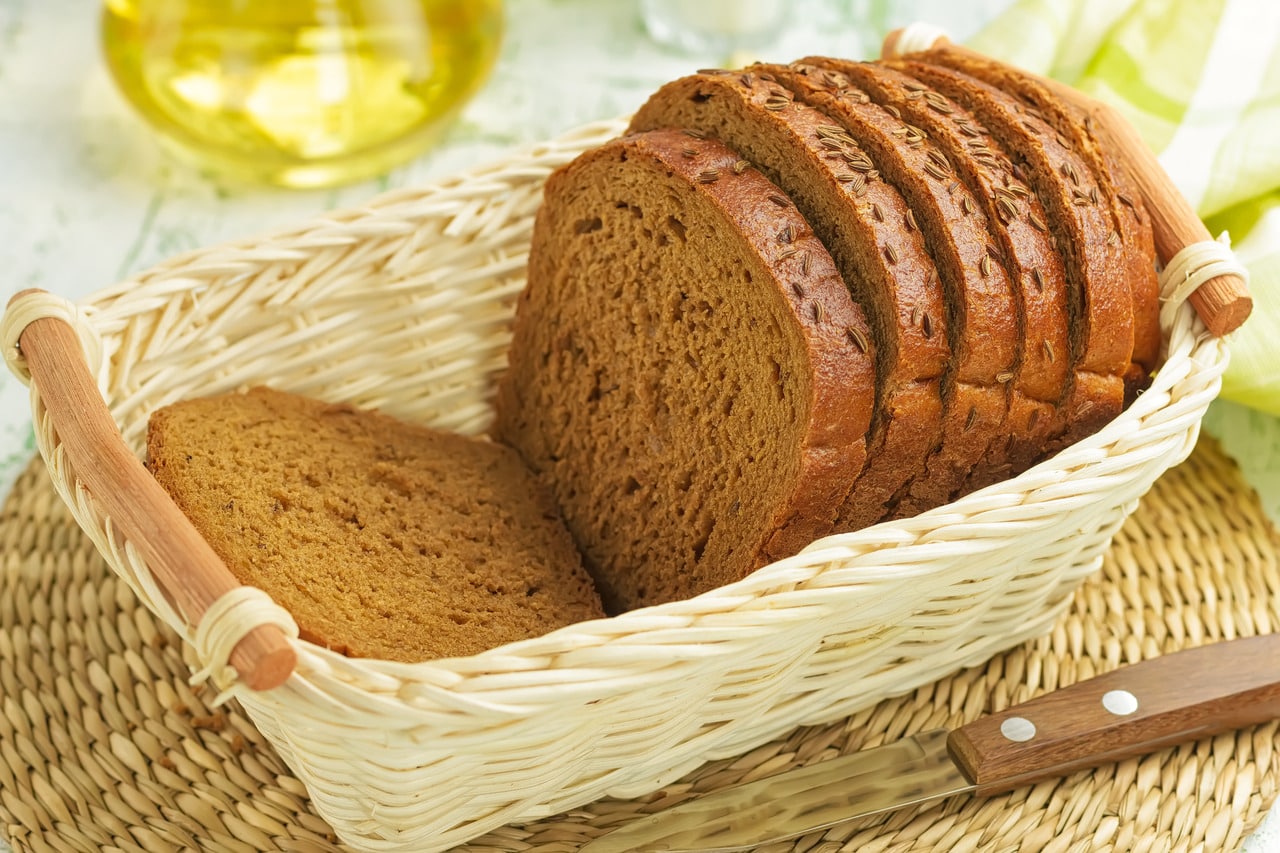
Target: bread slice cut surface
[(383, 539)]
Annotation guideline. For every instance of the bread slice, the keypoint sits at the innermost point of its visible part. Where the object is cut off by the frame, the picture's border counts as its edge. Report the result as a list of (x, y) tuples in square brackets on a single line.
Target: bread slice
[(382, 538), (871, 235), (1134, 225), (1130, 253), (1029, 255), (1099, 298), (982, 321), (687, 372)]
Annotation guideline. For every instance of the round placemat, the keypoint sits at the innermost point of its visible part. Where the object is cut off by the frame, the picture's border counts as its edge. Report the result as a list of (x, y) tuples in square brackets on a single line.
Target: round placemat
[(104, 746)]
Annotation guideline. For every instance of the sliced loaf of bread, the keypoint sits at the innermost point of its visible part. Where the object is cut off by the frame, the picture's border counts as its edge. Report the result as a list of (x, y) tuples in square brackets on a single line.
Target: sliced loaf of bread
[(1099, 298), (1028, 254), (383, 539), (872, 236), (982, 321), (688, 372), (1129, 252)]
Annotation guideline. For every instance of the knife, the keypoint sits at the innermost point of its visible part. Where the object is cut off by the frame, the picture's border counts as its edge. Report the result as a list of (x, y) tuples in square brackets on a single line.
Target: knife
[(1134, 710)]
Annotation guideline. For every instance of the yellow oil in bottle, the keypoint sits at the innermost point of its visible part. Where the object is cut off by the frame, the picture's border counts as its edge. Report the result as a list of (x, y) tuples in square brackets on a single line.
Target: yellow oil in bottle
[(301, 93)]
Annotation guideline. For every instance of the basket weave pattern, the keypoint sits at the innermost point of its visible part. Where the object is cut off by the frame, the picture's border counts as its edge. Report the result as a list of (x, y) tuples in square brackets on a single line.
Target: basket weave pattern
[(405, 305)]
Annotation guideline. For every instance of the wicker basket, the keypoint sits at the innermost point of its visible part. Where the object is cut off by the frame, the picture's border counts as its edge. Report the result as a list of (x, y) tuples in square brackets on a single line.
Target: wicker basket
[(405, 305)]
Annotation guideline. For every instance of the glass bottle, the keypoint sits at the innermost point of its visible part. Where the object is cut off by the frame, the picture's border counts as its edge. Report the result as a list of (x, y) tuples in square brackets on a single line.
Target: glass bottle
[(301, 93)]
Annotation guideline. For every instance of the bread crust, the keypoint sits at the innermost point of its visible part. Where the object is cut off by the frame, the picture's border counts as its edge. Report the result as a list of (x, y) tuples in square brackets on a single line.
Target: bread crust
[(1099, 297), (1027, 253), (1135, 250), (1120, 261)]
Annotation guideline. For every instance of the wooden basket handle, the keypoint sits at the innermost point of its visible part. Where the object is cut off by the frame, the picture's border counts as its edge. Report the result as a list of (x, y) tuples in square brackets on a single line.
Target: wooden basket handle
[(1223, 303), (187, 569)]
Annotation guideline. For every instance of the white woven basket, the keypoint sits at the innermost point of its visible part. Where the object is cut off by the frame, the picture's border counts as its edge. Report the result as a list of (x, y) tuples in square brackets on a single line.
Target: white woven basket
[(405, 305)]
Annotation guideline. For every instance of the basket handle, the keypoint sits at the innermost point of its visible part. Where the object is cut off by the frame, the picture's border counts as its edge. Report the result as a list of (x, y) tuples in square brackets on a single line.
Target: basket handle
[(1223, 302), (183, 563)]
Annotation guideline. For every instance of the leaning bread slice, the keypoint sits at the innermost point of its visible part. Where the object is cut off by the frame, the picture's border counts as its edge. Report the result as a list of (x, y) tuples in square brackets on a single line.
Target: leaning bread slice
[(1099, 297), (982, 320), (383, 539), (687, 372), (1027, 252), (870, 233)]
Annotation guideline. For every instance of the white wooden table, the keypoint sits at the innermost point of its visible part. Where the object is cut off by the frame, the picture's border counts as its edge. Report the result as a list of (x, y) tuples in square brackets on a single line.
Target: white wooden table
[(87, 198)]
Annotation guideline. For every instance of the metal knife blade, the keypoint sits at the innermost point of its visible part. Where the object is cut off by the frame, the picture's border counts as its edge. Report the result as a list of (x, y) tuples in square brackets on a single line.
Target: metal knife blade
[(1133, 710), (912, 770)]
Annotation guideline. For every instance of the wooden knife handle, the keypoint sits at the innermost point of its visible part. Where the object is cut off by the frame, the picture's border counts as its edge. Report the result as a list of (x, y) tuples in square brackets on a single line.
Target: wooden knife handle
[(1134, 710)]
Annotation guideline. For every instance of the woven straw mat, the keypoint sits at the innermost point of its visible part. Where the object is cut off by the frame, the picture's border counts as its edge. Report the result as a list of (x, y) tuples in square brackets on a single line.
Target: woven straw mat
[(103, 746)]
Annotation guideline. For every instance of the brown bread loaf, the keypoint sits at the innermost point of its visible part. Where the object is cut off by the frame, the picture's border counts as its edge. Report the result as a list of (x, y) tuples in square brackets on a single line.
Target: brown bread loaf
[(922, 186), (870, 233), (1099, 300), (688, 372), (982, 321), (1029, 255), (383, 539), (1131, 252)]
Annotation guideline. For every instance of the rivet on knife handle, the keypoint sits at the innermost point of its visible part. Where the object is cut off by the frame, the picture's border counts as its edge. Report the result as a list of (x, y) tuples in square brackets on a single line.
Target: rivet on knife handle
[(1131, 711)]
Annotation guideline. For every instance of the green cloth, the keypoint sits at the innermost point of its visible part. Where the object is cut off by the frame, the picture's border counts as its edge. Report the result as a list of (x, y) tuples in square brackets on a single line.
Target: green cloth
[(1200, 79)]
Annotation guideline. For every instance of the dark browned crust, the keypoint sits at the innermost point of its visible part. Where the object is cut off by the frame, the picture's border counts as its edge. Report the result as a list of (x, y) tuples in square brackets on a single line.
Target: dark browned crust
[(1028, 253), (1099, 300)]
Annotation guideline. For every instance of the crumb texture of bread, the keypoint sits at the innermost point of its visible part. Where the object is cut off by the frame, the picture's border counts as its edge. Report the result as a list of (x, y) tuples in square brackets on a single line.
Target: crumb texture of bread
[(688, 371), (382, 538)]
